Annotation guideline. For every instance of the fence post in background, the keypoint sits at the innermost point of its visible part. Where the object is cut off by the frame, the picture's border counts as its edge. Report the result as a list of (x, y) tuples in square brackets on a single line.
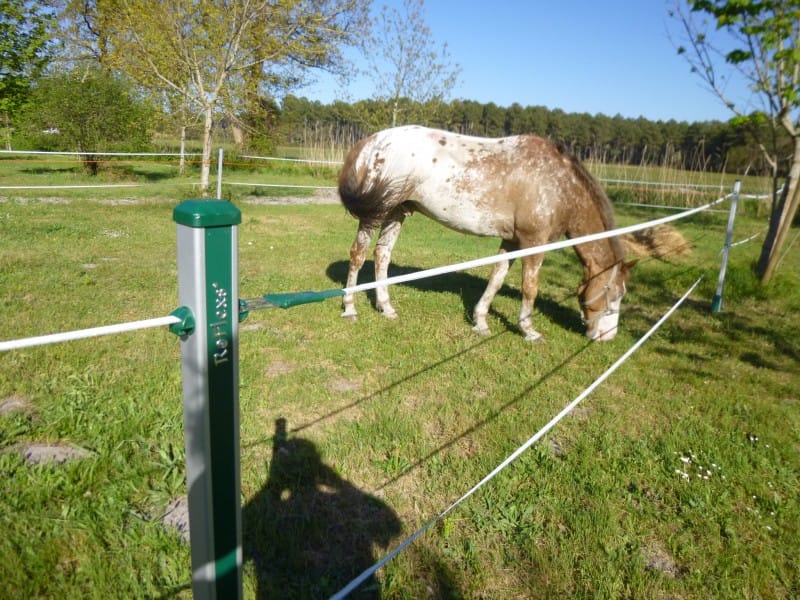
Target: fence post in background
[(219, 174), (208, 287), (716, 303)]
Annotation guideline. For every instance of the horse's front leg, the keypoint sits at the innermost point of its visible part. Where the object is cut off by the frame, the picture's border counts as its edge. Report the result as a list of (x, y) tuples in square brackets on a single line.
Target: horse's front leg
[(496, 278), (383, 256), (530, 288), (358, 253)]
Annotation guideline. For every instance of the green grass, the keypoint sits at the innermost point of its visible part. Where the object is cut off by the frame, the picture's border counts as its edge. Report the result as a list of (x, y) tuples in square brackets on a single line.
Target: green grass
[(157, 178), (388, 422)]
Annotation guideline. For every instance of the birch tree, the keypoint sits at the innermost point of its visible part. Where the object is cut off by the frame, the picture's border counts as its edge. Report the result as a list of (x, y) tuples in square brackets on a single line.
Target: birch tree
[(765, 53), (405, 62)]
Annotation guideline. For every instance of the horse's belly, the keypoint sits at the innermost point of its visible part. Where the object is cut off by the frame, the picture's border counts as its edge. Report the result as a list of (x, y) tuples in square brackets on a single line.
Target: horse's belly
[(463, 199), (466, 217)]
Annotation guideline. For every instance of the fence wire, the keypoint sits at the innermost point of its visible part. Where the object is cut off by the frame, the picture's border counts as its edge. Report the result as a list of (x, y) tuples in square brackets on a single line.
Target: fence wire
[(514, 455)]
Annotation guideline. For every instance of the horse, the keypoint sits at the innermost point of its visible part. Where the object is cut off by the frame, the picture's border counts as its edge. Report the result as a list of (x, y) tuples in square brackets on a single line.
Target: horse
[(524, 189)]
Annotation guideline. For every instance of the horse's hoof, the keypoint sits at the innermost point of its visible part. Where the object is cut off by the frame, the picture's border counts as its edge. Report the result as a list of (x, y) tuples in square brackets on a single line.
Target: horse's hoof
[(350, 316), (534, 338), (387, 310), (481, 331)]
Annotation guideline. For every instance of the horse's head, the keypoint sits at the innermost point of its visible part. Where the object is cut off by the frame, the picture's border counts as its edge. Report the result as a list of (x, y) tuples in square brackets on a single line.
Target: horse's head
[(600, 297)]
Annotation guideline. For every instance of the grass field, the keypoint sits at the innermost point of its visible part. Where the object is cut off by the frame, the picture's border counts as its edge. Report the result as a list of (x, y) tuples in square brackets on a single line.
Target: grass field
[(158, 178), (677, 478)]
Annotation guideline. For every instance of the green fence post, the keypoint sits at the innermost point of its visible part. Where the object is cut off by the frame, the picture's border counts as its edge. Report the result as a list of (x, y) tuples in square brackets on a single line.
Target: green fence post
[(716, 303), (208, 287)]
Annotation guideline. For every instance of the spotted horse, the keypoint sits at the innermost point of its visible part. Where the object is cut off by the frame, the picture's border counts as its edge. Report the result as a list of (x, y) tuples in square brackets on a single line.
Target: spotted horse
[(524, 189)]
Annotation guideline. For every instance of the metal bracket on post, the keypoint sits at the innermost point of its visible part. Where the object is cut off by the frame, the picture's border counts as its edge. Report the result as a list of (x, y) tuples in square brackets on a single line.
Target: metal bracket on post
[(716, 303), (208, 292), (186, 325)]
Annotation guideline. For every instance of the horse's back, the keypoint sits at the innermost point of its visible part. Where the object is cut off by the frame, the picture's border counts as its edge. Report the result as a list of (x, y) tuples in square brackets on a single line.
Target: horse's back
[(484, 186)]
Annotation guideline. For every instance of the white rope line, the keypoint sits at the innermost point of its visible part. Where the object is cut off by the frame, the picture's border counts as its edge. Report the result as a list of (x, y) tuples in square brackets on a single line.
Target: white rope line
[(755, 196), (479, 262), (642, 205), (662, 206), (69, 187), (90, 153), (92, 186), (283, 185), (744, 241), (664, 184), (168, 320), (300, 160), (87, 333), (514, 455)]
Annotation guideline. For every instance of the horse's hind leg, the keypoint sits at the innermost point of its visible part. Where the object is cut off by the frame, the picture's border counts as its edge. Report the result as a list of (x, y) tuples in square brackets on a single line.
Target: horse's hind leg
[(496, 279), (358, 253), (383, 256)]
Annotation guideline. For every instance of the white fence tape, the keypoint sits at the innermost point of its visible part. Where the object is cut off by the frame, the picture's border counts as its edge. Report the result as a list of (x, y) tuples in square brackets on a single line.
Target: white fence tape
[(665, 184), (514, 455), (297, 160), (69, 187), (479, 262), (168, 320), (283, 185), (54, 338), (91, 153)]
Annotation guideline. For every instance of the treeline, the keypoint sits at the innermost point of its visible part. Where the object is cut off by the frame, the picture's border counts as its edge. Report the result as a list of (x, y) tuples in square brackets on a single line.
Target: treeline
[(68, 106), (714, 146)]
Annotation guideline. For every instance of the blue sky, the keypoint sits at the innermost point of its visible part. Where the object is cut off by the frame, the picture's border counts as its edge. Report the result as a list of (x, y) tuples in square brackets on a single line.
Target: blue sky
[(593, 56)]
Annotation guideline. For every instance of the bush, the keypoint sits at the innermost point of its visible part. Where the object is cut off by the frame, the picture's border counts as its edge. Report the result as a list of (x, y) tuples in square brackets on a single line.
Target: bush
[(93, 112)]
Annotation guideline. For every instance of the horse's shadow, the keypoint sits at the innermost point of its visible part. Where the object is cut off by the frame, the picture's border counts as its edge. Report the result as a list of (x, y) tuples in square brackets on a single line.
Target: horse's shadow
[(309, 532), (469, 288)]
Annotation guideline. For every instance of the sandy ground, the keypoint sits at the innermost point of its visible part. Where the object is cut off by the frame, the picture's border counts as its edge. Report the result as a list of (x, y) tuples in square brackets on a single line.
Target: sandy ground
[(324, 196)]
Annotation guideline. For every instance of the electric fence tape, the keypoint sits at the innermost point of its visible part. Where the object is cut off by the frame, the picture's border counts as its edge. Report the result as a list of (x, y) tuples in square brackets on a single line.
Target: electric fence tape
[(514, 455), (290, 299)]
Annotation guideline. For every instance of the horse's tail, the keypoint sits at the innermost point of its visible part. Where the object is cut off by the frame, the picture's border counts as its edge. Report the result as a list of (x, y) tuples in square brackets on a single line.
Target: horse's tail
[(367, 195)]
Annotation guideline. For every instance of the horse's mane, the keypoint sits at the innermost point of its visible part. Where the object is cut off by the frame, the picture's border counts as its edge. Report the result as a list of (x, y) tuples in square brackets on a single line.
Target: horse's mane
[(599, 196)]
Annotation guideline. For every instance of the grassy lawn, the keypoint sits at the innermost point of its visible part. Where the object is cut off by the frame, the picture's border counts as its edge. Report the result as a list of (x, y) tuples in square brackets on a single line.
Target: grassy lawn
[(677, 478), (156, 178)]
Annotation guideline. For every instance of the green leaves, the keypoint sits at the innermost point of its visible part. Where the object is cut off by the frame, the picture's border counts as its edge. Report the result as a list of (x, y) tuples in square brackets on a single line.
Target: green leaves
[(411, 73), (738, 56), (765, 54), (92, 111), (24, 50)]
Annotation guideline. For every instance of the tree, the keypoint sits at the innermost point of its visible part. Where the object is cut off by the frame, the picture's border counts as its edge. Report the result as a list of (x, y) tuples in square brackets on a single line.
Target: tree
[(91, 111), (404, 61), (24, 51), (765, 52), (217, 54)]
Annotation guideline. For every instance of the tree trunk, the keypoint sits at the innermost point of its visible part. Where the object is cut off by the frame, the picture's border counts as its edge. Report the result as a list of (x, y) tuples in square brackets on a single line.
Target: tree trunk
[(182, 163), (781, 220), (205, 168), (238, 134), (91, 164), (7, 128)]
